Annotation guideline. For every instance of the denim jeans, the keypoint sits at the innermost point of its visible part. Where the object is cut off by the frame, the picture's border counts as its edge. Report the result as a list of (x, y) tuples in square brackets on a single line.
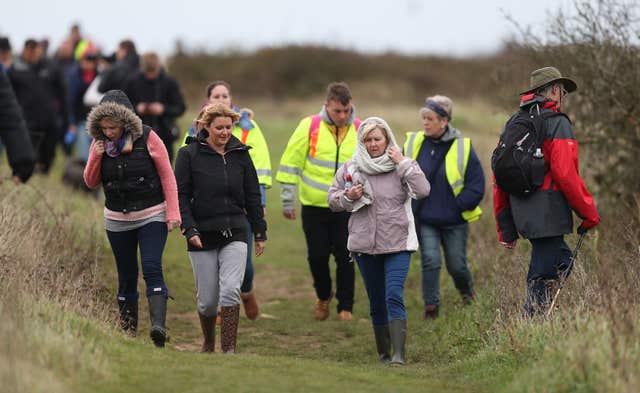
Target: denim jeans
[(384, 276), (247, 282), (454, 242), (549, 256), (151, 239)]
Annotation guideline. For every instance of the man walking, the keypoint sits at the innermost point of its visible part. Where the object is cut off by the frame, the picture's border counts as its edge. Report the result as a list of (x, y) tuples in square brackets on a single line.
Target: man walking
[(544, 217), (318, 147)]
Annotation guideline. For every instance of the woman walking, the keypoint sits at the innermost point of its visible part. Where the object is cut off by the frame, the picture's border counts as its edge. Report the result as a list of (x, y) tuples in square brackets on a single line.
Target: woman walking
[(141, 204), (377, 186), (219, 196)]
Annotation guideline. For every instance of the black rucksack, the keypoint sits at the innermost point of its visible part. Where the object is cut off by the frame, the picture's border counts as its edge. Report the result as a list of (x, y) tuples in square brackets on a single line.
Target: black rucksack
[(518, 162)]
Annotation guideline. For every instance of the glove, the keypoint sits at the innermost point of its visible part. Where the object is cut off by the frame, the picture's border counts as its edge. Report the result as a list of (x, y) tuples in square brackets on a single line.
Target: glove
[(70, 138)]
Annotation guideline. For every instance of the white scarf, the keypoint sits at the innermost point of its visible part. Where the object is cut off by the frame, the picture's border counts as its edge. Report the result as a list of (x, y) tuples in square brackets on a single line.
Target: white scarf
[(361, 157)]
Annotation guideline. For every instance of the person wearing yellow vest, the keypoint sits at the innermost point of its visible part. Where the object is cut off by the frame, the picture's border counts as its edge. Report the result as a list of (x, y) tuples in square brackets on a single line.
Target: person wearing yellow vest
[(457, 187), (317, 148), (250, 134)]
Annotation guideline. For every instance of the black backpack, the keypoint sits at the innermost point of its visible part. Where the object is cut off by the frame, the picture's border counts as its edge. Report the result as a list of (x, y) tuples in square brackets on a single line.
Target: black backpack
[(518, 162)]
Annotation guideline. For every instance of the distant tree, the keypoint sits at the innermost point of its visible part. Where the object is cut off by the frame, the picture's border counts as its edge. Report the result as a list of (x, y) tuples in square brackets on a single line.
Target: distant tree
[(596, 43)]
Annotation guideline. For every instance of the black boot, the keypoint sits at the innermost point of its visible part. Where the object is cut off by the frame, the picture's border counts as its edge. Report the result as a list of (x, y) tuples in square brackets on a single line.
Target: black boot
[(398, 332), (158, 316), (383, 343), (128, 315)]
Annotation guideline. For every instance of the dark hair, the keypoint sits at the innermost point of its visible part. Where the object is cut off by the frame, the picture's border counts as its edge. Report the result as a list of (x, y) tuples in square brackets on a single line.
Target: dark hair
[(30, 43), (215, 84), (129, 46), (339, 91), (5, 44)]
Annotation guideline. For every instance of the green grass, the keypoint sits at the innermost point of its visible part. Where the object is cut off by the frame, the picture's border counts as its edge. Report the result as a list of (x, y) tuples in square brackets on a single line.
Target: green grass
[(49, 345)]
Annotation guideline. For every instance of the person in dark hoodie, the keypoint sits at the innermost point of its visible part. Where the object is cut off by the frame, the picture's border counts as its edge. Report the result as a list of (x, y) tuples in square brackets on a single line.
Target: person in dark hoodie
[(219, 192), (546, 216), (125, 67), (157, 98), (141, 204), (457, 187)]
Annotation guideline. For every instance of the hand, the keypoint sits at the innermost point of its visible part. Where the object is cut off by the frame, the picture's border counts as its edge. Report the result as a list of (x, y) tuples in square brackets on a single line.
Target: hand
[(172, 224), (141, 108), (259, 247), (355, 192), (98, 147), (156, 108), (395, 154), (289, 213), (17, 180), (195, 241), (509, 245)]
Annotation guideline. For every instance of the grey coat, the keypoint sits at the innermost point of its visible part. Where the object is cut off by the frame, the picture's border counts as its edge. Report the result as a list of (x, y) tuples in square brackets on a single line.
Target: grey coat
[(385, 225)]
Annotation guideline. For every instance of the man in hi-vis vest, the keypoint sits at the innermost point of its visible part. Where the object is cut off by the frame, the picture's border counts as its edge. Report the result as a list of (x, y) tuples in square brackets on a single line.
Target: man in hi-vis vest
[(318, 147)]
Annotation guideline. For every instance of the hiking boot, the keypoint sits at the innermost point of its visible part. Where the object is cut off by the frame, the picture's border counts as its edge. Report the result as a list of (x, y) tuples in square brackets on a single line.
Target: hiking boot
[(251, 308), (158, 316), (468, 299), (128, 315), (321, 309), (383, 343), (398, 334), (229, 328), (430, 311), (345, 315), (209, 333)]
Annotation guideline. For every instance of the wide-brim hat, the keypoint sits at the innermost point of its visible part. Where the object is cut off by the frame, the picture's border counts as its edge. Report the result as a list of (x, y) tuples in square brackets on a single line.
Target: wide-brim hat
[(547, 75)]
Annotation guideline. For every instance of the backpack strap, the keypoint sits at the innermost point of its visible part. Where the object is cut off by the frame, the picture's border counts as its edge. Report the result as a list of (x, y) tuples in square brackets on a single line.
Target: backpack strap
[(356, 123)]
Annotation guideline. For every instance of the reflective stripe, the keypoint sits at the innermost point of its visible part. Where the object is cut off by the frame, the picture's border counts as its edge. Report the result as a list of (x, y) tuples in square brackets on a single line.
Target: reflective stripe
[(291, 170), (461, 155), (458, 183), (264, 172), (315, 184), (322, 163), (410, 145)]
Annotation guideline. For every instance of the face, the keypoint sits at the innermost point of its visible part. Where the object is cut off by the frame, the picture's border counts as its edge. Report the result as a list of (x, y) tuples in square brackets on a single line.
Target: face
[(338, 113), (557, 94), (111, 129), (434, 126), (376, 143), (220, 94), (220, 130)]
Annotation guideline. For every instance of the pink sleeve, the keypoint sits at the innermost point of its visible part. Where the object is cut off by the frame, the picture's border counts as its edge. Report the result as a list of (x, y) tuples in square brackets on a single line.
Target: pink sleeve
[(92, 175), (160, 157)]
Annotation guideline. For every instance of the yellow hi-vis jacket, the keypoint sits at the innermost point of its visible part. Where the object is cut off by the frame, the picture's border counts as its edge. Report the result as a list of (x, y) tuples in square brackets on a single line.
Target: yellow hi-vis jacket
[(313, 156), (455, 165), (259, 151)]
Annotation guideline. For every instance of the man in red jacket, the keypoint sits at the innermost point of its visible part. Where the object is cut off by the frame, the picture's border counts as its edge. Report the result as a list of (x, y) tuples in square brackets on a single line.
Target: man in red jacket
[(546, 216)]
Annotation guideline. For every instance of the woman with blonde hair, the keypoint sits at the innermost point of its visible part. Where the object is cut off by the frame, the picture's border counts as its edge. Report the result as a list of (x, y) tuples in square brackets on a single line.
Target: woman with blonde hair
[(219, 196), (377, 186)]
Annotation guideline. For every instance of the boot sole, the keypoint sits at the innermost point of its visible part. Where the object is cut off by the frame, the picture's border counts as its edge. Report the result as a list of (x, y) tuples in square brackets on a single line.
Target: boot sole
[(158, 337)]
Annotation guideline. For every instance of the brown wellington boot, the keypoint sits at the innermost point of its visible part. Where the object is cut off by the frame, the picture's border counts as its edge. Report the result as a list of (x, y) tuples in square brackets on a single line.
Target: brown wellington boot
[(209, 333), (229, 328), (251, 308)]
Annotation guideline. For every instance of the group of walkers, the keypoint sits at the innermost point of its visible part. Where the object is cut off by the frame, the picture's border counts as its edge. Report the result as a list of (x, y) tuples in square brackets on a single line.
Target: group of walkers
[(363, 198)]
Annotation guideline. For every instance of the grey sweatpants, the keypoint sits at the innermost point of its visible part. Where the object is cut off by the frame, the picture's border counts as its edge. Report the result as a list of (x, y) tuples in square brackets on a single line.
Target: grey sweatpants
[(218, 275)]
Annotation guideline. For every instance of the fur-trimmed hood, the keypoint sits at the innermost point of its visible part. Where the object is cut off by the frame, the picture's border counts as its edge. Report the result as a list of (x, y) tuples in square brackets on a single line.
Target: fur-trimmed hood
[(115, 105)]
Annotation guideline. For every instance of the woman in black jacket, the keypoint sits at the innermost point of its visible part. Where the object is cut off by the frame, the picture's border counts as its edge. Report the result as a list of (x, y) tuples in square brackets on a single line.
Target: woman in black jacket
[(218, 192)]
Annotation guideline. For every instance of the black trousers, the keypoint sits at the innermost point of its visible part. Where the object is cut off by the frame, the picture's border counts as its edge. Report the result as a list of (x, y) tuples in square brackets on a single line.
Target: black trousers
[(44, 143), (326, 233)]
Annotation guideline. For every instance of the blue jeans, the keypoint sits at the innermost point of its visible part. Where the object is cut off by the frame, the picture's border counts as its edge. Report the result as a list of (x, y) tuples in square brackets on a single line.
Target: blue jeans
[(247, 282), (454, 243), (384, 276), (151, 239)]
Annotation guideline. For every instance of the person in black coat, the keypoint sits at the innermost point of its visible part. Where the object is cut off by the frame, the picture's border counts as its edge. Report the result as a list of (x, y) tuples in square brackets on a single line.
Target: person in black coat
[(126, 65), (157, 99), (14, 134), (218, 192)]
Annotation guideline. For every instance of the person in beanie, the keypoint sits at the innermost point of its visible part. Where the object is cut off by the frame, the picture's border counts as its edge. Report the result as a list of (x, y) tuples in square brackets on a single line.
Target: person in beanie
[(141, 204), (317, 148), (377, 186), (457, 187), (219, 199), (546, 216)]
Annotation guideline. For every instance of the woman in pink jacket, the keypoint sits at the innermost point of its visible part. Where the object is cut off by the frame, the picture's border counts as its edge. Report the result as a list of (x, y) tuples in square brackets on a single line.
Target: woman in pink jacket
[(376, 186), (141, 204)]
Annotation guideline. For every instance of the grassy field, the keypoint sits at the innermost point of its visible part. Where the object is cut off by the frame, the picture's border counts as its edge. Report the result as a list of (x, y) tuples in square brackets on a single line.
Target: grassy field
[(58, 313)]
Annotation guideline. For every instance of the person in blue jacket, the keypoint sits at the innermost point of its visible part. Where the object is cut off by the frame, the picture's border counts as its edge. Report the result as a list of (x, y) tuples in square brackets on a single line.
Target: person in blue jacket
[(457, 187)]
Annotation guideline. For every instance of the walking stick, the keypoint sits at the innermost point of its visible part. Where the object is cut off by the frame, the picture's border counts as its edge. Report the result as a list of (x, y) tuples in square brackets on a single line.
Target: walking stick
[(566, 272)]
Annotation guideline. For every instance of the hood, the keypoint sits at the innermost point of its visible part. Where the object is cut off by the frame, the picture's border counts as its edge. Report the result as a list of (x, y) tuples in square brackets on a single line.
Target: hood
[(115, 105), (450, 134), (324, 115)]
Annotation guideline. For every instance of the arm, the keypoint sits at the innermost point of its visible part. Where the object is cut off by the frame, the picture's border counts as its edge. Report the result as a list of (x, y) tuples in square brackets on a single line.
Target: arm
[(413, 179), (473, 190), (507, 233), (255, 213), (185, 192), (292, 162), (92, 176), (160, 158), (336, 195), (260, 155), (175, 103)]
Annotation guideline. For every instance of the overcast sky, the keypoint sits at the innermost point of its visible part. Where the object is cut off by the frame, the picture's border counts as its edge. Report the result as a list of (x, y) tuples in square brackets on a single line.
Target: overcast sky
[(446, 27)]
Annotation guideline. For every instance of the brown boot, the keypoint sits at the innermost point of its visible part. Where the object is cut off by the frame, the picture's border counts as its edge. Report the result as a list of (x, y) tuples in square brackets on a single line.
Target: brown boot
[(229, 328), (209, 333), (251, 308), (321, 309)]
